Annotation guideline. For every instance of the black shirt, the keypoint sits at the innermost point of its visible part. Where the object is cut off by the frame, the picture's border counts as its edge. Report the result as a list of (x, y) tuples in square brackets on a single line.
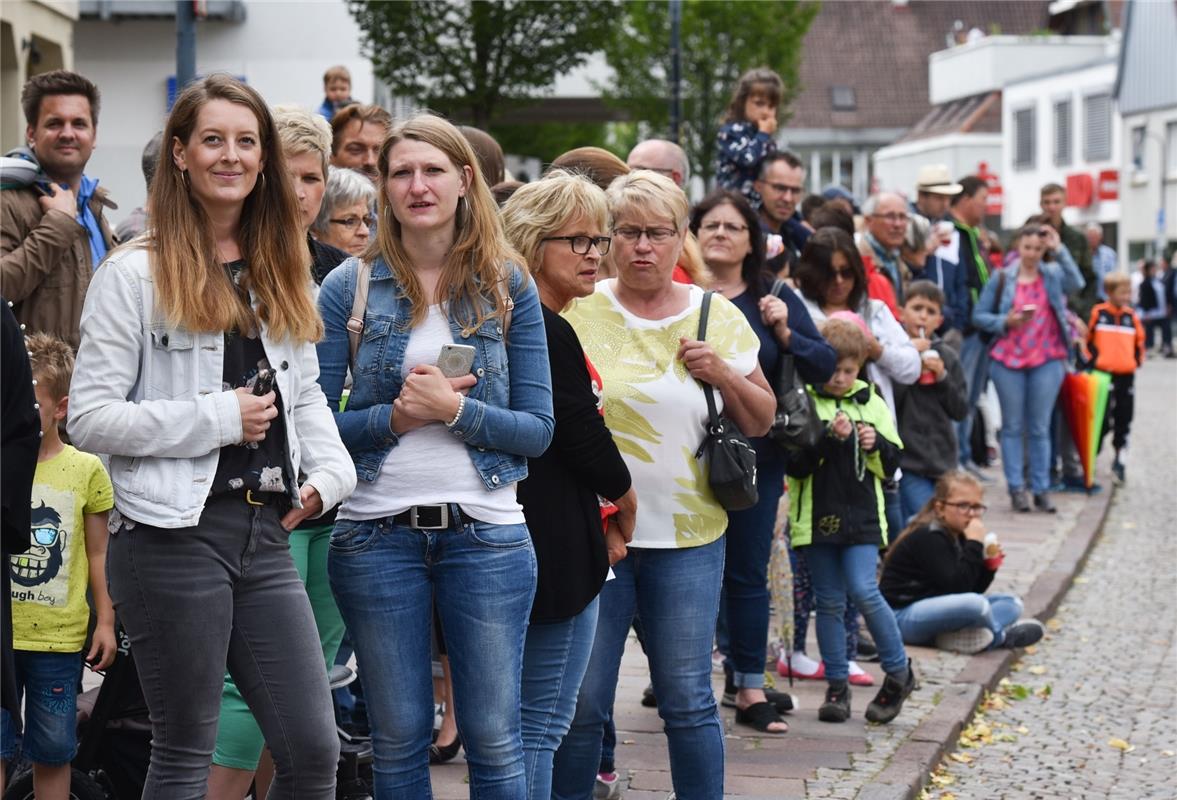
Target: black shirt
[(559, 496), (259, 466), (930, 562)]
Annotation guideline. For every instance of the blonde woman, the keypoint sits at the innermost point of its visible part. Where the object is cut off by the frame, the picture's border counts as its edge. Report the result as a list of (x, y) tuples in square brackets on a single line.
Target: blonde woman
[(197, 375), (435, 518), (306, 144), (559, 225), (641, 331)]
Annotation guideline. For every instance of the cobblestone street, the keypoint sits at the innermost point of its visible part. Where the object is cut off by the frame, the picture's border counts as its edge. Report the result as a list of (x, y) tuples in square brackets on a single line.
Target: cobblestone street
[(1107, 727)]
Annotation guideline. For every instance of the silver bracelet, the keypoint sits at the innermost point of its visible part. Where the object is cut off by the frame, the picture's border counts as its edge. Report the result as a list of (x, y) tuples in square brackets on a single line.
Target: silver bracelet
[(458, 413)]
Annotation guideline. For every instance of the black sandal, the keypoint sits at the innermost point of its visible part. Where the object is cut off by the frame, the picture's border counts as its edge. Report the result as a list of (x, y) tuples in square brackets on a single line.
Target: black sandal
[(440, 754), (760, 716)]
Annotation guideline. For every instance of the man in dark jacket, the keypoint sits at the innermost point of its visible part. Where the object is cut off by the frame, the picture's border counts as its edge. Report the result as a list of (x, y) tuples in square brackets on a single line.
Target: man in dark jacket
[(1053, 199), (780, 186), (53, 233)]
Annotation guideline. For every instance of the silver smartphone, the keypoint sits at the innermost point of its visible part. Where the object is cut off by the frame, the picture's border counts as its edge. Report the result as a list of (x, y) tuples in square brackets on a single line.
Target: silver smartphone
[(455, 360)]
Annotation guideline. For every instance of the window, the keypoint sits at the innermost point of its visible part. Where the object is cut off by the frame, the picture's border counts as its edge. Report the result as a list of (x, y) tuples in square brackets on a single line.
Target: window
[(1062, 133), (1097, 127), (843, 98), (1138, 141), (1025, 138)]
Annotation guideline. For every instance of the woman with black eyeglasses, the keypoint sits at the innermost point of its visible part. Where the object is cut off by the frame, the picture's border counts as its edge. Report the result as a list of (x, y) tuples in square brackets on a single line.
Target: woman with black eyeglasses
[(558, 224), (936, 572), (345, 219)]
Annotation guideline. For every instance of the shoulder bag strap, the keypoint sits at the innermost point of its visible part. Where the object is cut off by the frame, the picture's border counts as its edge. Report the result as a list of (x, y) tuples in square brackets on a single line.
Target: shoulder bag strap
[(787, 369), (359, 304), (708, 392)]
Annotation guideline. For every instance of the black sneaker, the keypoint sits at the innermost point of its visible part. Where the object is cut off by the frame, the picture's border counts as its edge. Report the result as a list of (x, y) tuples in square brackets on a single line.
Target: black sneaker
[(1020, 501), (1023, 633), (1042, 502), (648, 698), (885, 707), (836, 707), (1118, 473), (867, 651)]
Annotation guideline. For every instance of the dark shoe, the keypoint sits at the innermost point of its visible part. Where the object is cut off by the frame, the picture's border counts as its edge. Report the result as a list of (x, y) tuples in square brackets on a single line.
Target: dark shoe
[(1118, 473), (1042, 502), (1023, 633), (439, 754), (836, 707), (867, 651), (760, 716), (1020, 501), (885, 707), (783, 702), (648, 698)]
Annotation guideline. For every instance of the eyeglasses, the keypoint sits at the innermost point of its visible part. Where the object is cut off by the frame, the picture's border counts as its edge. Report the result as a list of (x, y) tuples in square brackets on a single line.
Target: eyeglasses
[(580, 244), (45, 536), (732, 227), (352, 222), (655, 235), (969, 508), (893, 219), (660, 170), (841, 274), (781, 188)]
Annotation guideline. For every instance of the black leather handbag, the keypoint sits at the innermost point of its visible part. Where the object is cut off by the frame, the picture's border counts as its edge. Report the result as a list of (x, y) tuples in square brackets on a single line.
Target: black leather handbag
[(731, 461), (796, 425)]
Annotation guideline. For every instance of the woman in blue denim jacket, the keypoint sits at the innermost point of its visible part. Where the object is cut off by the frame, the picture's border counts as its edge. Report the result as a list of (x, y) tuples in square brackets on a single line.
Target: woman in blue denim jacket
[(434, 519), (1029, 352)]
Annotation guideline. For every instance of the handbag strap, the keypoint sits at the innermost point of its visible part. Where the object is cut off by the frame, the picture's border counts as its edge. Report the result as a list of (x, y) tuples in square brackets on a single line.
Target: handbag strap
[(788, 368), (359, 304), (708, 392)]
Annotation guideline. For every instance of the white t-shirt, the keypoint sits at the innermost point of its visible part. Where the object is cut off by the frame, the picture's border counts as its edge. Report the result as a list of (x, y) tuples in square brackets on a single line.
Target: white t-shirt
[(657, 412), (429, 464)]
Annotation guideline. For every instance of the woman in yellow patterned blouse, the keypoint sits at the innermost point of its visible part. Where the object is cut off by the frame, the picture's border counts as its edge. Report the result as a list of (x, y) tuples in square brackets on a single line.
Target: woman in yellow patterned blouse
[(640, 329)]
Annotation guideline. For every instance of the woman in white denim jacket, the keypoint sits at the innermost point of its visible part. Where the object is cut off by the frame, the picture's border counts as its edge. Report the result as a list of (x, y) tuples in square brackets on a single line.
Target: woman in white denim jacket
[(210, 469)]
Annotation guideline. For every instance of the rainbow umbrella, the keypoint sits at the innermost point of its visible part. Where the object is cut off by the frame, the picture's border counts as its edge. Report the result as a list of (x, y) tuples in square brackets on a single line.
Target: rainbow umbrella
[(1084, 397)]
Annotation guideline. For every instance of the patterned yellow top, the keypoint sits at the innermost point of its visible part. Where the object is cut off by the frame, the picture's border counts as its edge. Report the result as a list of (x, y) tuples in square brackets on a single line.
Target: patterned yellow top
[(657, 411)]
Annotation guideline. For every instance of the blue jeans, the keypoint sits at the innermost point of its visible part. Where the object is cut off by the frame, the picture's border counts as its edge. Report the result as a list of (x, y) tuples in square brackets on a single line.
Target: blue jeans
[(837, 571), (914, 491), (923, 620), (49, 683), (1027, 399), (974, 361), (555, 658), (676, 593), (385, 578), (745, 577)]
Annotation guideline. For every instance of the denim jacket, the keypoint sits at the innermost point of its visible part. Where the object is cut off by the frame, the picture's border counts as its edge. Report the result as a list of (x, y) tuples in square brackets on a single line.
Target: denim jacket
[(507, 417), (150, 394), (1060, 278)]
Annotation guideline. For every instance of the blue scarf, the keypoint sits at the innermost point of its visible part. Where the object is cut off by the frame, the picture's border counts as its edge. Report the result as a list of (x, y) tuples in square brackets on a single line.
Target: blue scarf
[(889, 261), (88, 221)]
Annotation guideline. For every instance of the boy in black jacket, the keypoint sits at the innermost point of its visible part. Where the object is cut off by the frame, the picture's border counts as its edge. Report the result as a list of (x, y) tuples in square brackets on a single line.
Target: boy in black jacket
[(928, 410)]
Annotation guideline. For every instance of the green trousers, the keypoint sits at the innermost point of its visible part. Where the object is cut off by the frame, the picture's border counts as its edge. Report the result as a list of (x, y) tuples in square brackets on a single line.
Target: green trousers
[(239, 740)]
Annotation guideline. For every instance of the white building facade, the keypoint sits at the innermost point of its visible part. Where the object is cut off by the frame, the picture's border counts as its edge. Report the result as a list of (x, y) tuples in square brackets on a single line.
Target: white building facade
[(281, 49)]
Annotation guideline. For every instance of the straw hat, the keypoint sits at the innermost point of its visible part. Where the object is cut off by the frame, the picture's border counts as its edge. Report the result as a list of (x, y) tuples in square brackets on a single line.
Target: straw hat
[(936, 179)]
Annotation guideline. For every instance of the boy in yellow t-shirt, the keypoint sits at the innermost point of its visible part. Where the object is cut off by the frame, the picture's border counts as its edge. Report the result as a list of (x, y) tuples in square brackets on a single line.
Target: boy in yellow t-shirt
[(71, 497)]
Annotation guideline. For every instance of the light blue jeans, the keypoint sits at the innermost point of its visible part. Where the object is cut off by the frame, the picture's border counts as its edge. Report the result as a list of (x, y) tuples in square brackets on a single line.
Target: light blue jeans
[(838, 571), (914, 492), (1027, 399), (676, 594), (925, 619), (555, 658), (385, 578)]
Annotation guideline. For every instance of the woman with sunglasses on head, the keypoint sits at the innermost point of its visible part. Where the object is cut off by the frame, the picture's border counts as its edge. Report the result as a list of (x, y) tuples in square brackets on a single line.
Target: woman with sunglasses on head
[(435, 521), (734, 251), (640, 329), (558, 224), (345, 218), (935, 575), (197, 374)]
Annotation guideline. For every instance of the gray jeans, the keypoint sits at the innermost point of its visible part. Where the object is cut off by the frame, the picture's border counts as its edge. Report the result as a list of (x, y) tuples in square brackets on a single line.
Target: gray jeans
[(224, 593)]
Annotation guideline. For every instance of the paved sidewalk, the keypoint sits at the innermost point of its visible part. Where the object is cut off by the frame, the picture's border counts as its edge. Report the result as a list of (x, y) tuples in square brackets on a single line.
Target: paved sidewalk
[(855, 759)]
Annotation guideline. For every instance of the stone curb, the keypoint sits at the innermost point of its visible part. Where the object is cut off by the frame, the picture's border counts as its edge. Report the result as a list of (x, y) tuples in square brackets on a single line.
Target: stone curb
[(906, 774)]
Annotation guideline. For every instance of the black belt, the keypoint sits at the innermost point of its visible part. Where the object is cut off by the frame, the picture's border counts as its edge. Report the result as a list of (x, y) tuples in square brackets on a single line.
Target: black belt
[(254, 498), (438, 517)]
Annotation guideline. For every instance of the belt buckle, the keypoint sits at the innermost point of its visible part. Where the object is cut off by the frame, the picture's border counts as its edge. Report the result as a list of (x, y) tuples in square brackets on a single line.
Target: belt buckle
[(443, 513), (249, 498)]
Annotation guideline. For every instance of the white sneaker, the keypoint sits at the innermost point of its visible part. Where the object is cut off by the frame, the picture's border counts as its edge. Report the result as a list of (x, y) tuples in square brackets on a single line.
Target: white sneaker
[(965, 640)]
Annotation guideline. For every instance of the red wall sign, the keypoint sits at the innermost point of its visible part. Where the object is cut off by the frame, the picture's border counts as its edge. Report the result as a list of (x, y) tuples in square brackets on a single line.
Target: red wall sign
[(1109, 184), (1080, 190), (993, 200)]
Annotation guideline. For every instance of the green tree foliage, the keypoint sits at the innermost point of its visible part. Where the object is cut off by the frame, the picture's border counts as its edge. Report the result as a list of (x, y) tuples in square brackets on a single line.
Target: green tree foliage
[(720, 39), (469, 59)]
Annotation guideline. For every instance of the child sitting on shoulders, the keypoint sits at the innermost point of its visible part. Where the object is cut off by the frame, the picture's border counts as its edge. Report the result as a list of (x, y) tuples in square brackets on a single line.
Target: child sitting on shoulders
[(929, 409), (336, 91), (71, 497), (747, 133), (838, 518)]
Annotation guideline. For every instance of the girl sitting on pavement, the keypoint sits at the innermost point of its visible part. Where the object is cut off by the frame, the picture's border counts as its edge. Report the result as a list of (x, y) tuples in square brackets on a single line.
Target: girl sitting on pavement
[(937, 570)]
